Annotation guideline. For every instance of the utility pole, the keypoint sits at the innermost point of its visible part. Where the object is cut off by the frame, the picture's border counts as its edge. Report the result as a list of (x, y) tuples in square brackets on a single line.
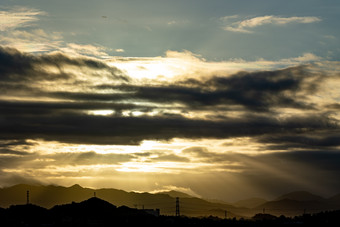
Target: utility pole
[(177, 207), (94, 194), (27, 197)]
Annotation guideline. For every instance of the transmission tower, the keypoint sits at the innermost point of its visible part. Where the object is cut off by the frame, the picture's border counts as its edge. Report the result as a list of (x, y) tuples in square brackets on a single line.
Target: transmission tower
[(27, 197), (177, 207)]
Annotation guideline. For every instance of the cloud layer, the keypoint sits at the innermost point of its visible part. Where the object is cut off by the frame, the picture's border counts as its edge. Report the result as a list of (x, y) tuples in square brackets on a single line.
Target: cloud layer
[(74, 117), (242, 104)]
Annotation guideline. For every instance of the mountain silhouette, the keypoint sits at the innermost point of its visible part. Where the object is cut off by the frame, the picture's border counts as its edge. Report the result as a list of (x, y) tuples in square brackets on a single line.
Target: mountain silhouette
[(335, 198), (300, 196), (291, 207), (300, 202)]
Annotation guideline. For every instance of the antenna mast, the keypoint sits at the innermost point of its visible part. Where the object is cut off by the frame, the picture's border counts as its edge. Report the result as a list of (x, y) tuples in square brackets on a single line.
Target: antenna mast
[(177, 207)]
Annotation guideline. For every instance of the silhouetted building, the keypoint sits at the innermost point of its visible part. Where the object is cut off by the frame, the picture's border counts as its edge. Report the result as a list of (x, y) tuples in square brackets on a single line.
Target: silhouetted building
[(154, 212)]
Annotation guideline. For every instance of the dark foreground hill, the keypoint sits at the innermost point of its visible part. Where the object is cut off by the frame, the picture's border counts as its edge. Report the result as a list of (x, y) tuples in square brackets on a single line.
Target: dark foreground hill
[(96, 212), (91, 212)]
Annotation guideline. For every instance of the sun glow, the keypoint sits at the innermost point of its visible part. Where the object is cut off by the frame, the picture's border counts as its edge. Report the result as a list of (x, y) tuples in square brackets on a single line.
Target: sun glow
[(151, 69), (101, 112), (159, 167)]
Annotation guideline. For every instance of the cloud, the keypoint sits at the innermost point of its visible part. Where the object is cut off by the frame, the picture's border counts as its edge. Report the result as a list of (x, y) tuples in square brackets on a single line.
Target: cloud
[(18, 31), (329, 140), (51, 129), (18, 17), (244, 26), (88, 50), (77, 127), (34, 40), (11, 152), (178, 66), (177, 22), (185, 190), (228, 18), (306, 57)]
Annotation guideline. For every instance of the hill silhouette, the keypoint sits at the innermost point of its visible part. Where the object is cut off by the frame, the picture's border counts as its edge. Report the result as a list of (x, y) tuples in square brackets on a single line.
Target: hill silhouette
[(91, 207)]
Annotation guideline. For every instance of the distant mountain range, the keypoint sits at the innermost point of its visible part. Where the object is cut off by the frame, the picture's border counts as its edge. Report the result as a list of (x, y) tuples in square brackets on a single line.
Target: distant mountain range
[(291, 204), (298, 202), (98, 212), (300, 196)]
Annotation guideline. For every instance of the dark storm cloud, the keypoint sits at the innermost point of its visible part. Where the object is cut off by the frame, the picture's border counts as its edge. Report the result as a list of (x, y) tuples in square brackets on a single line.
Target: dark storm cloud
[(82, 128), (22, 108), (8, 147), (17, 67), (317, 140), (258, 91)]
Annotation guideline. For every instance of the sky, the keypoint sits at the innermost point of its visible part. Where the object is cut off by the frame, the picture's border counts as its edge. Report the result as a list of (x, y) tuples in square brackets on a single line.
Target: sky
[(218, 99)]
